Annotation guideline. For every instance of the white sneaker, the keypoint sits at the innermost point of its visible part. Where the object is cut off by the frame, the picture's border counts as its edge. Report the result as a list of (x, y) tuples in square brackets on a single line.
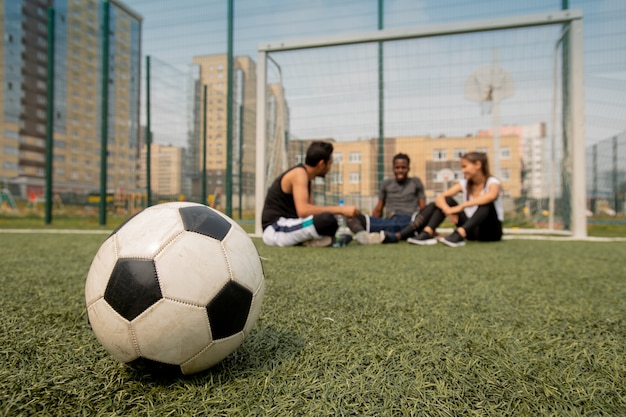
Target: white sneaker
[(317, 243), (365, 238)]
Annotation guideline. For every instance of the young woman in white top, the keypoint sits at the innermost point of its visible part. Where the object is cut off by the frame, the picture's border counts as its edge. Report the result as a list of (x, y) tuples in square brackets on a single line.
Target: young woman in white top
[(478, 217)]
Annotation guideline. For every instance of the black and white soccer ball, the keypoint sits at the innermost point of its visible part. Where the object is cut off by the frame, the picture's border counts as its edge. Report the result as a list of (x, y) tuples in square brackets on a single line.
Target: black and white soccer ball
[(176, 287)]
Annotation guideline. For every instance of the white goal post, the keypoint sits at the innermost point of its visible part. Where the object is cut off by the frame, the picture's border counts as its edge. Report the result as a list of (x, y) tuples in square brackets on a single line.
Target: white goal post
[(573, 128)]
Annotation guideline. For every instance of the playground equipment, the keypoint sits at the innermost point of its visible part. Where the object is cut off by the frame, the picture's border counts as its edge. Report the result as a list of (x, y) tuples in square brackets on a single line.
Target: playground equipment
[(7, 203)]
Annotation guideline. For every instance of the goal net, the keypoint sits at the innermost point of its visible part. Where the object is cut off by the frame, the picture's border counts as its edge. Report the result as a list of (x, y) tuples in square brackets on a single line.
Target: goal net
[(509, 87)]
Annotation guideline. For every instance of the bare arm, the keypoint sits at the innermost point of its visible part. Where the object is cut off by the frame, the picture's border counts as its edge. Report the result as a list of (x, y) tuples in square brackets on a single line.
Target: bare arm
[(378, 210), (480, 200), (440, 200), (297, 182)]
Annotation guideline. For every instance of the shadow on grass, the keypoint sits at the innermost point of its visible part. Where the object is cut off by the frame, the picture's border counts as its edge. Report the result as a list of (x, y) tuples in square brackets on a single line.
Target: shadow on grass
[(264, 350)]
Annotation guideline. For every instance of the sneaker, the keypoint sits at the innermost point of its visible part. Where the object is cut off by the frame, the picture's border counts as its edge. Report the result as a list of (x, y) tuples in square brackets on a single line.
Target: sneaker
[(365, 238), (423, 239), (357, 224), (321, 242), (389, 237), (454, 240)]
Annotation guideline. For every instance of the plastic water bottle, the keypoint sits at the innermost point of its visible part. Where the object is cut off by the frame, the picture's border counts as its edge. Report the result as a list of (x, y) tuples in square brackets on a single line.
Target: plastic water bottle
[(342, 229)]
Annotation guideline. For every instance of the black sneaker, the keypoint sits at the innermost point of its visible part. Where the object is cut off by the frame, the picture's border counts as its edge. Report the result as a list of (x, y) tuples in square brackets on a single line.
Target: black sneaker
[(423, 239), (357, 224), (454, 240), (389, 237)]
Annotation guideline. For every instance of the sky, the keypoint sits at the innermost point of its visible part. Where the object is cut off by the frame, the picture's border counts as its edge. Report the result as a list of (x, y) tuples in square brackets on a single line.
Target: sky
[(424, 81)]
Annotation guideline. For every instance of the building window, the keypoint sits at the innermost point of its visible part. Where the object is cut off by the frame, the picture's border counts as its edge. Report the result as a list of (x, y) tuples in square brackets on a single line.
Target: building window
[(505, 174), (505, 153), (10, 150), (459, 152), (440, 155), (336, 178), (338, 157), (355, 178), (355, 158)]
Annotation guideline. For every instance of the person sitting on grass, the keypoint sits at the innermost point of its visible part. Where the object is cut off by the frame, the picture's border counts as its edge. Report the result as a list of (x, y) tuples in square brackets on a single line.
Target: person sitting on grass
[(478, 217), (289, 216), (401, 197)]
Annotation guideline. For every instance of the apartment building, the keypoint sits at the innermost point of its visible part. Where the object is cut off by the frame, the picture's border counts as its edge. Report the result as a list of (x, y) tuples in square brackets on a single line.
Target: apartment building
[(166, 170), (436, 160), (77, 102), (535, 153), (213, 74)]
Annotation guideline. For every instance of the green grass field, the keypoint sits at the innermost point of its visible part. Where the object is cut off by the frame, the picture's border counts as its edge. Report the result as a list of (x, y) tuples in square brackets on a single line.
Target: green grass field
[(516, 328)]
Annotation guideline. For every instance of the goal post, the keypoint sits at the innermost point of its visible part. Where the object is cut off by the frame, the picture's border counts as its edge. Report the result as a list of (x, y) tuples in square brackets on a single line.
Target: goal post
[(573, 159)]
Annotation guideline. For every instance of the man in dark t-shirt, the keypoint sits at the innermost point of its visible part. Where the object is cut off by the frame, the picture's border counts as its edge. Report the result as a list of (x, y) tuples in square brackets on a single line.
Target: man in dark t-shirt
[(289, 215), (401, 198)]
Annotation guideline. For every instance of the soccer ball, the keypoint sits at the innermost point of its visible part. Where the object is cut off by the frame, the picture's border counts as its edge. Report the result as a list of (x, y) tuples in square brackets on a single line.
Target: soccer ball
[(176, 287)]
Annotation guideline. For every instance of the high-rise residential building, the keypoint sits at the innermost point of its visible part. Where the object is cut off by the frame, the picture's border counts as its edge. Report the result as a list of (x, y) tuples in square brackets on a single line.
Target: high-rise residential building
[(77, 104), (213, 75), (277, 131)]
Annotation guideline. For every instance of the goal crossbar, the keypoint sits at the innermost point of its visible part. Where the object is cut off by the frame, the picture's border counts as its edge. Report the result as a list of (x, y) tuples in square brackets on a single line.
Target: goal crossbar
[(576, 108), (542, 19)]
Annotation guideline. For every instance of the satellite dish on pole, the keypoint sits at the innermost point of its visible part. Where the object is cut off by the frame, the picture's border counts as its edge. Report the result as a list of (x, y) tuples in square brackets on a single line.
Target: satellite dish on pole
[(489, 85)]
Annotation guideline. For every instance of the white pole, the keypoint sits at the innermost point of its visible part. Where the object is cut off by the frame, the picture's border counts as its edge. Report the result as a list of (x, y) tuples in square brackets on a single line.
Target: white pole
[(577, 128), (259, 189)]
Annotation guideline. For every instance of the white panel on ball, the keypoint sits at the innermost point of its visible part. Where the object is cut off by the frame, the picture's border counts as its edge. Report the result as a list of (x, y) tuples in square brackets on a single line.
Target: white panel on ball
[(245, 269), (192, 269), (145, 234), (171, 332), (100, 271), (255, 308), (112, 330), (213, 354)]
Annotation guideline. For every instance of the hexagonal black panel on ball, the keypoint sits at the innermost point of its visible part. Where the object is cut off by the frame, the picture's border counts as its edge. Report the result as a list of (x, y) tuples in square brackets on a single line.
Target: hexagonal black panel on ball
[(228, 310), (204, 220), (133, 287)]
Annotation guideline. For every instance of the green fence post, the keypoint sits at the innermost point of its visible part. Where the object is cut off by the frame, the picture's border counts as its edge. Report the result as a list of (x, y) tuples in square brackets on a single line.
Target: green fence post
[(381, 102), (49, 116), (204, 195), (148, 137), (229, 116), (104, 114)]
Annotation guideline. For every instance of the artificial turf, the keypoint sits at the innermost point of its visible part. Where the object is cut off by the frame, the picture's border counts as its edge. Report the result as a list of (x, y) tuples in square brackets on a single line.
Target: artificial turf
[(518, 327)]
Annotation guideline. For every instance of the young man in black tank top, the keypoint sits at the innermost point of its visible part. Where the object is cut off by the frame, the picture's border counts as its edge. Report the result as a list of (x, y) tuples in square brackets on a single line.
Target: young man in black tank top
[(290, 217)]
